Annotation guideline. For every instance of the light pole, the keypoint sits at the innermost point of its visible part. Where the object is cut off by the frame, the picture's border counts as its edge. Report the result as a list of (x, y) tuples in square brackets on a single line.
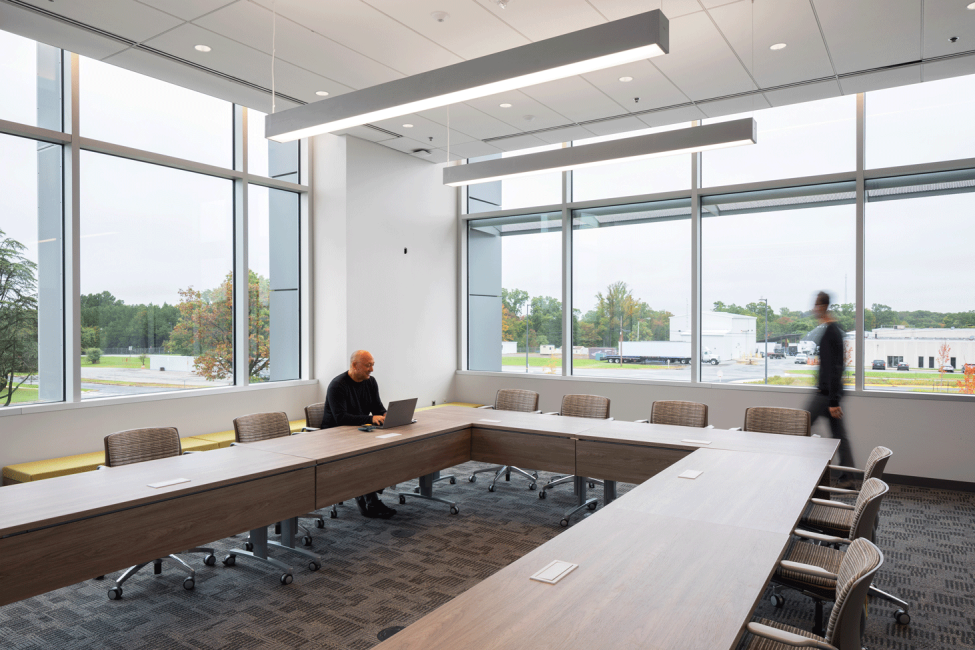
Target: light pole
[(765, 300)]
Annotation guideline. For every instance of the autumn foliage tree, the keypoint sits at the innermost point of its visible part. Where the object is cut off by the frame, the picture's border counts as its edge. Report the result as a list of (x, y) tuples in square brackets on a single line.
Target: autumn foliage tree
[(944, 355), (966, 385), (206, 328)]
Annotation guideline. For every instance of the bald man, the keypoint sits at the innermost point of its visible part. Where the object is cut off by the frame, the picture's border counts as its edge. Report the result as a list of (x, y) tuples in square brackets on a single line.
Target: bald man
[(353, 399)]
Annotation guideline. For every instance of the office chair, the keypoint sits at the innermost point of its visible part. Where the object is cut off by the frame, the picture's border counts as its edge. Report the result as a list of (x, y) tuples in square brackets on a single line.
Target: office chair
[(820, 552), (580, 406), (314, 413), (511, 399), (136, 446), (845, 628), (678, 413), (254, 428), (770, 419), (876, 464)]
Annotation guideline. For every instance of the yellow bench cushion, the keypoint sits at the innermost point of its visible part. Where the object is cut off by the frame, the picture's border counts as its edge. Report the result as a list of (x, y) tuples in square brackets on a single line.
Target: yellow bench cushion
[(224, 438), (427, 408), (195, 444)]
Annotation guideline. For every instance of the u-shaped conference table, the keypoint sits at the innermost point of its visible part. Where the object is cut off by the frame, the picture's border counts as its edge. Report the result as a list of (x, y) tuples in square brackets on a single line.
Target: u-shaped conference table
[(674, 563)]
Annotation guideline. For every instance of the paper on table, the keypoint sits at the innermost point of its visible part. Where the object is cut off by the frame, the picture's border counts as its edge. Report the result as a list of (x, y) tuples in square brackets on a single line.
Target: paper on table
[(486, 420), (554, 571), (699, 442), (162, 484), (691, 473), (389, 435)]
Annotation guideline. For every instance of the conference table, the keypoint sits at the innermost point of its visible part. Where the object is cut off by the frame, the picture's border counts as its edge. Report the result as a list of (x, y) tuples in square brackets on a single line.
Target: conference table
[(674, 563)]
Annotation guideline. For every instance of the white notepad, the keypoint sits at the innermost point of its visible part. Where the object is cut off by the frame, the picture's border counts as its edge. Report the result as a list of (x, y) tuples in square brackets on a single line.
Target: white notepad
[(485, 420), (554, 571), (691, 473), (697, 442), (389, 435), (162, 484)]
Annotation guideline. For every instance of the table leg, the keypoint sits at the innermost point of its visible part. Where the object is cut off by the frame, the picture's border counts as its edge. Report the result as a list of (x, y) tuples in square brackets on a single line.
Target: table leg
[(609, 492)]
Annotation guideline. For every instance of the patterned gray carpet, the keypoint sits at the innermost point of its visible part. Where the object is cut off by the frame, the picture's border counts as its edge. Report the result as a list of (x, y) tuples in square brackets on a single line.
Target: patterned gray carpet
[(381, 574)]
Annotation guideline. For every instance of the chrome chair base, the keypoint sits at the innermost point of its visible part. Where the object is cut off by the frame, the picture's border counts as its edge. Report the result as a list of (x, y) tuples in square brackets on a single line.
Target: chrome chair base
[(579, 484), (425, 491), (505, 470), (189, 583), (259, 545)]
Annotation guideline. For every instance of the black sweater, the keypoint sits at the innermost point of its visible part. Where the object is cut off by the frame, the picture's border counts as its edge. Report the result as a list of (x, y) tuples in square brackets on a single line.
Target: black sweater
[(349, 402), (831, 363)]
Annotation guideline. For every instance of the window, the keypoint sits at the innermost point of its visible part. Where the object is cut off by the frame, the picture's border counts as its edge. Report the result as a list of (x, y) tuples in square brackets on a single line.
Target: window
[(666, 174), (783, 246), (156, 278), (31, 299), (515, 293), (30, 75), (272, 255), (793, 141), (920, 123), (918, 286), (631, 280), (267, 157), (517, 192), (154, 115)]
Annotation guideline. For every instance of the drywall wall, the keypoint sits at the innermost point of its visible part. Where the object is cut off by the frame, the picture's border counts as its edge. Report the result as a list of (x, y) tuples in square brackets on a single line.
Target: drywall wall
[(929, 438)]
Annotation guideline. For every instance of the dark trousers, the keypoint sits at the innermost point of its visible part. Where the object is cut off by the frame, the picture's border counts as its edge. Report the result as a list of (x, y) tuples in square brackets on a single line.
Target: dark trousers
[(819, 407), (371, 498)]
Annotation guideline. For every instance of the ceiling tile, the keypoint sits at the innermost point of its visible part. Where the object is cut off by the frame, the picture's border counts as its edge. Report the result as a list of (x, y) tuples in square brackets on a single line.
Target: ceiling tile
[(473, 149), (752, 27), (576, 99), (522, 108), (612, 127), (367, 31), (187, 9), (616, 9), (423, 129), (541, 19), (803, 93), (956, 67), (700, 62), (470, 31), (649, 84), (672, 116), (121, 17), (365, 133), (469, 120), (28, 24), (944, 19), (733, 105), (517, 143), (863, 83), (567, 134), (865, 35), (250, 24), (407, 145)]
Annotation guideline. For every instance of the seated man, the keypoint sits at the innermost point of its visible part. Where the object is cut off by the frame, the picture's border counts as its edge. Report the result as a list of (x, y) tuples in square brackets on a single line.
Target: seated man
[(353, 399)]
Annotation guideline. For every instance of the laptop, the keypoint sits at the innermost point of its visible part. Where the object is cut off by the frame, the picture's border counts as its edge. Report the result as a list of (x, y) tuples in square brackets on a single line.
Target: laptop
[(399, 413)]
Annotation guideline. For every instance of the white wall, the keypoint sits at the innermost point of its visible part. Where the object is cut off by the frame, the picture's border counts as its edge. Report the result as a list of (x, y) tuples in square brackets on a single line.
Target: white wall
[(368, 293), (929, 438)]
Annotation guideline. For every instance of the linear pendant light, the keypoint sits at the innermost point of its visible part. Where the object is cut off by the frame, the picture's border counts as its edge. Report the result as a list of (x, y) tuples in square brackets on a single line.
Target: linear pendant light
[(614, 43), (653, 145)]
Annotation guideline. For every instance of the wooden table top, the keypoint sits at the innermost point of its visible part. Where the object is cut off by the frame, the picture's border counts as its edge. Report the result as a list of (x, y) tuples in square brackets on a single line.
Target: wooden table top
[(519, 421), (27, 506), (667, 582), (737, 489)]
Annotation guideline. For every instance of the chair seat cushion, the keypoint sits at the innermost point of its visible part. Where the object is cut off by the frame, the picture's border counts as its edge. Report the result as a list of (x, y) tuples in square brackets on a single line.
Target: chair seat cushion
[(834, 521), (824, 557), (761, 643)]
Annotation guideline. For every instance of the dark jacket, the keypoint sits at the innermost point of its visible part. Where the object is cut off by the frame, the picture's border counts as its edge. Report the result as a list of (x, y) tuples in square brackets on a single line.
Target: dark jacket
[(350, 402), (831, 363)]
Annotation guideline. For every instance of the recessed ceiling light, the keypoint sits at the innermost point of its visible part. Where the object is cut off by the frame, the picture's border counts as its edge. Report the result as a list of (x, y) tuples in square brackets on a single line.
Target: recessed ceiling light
[(626, 79), (321, 93), (505, 105), (407, 126), (202, 48), (777, 46)]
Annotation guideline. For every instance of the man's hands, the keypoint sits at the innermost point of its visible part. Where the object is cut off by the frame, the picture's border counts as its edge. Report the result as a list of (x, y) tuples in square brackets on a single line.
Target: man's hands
[(378, 420), (836, 412)]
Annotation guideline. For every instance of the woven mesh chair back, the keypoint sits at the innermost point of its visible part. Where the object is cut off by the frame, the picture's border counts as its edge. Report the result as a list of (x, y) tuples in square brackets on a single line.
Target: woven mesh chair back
[(876, 463), (769, 419), (139, 445), (314, 413), (585, 406), (860, 562), (515, 399), (261, 426), (867, 508), (682, 414)]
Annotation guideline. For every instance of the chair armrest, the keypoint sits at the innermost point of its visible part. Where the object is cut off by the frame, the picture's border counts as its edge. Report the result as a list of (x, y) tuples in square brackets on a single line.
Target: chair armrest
[(610, 419), (551, 413), (846, 469), (188, 451), (487, 406), (539, 411), (833, 504), (815, 435), (235, 444), (710, 426), (102, 467), (642, 421), (787, 638), (808, 569), (820, 537), (735, 429), (836, 490), (306, 429)]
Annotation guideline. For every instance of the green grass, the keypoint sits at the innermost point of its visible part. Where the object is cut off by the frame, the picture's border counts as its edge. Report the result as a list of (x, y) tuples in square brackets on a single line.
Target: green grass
[(545, 362), (115, 362), (27, 395), (786, 381)]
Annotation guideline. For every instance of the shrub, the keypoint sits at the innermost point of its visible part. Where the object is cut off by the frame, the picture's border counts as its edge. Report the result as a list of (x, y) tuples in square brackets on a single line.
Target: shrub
[(94, 355)]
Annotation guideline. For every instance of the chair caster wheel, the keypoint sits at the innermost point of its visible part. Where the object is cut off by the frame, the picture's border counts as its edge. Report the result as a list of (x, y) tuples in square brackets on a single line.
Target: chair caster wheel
[(306, 540), (507, 477), (453, 481), (491, 488), (592, 485), (333, 515), (114, 593), (541, 495), (778, 602), (472, 478), (592, 506), (902, 617), (314, 566), (532, 486), (416, 490), (287, 579), (230, 560), (564, 523), (248, 546), (99, 577), (188, 584), (454, 510), (402, 499), (277, 529), (320, 523), (210, 560)]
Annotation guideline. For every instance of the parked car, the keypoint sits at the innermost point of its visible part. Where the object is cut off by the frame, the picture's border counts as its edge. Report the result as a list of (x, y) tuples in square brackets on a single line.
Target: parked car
[(903, 366), (947, 368), (801, 358), (879, 364)]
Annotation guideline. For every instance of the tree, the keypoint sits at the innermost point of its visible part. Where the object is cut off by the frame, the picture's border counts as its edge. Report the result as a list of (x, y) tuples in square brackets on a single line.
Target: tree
[(883, 315), (206, 328), (966, 385), (944, 356), (18, 317)]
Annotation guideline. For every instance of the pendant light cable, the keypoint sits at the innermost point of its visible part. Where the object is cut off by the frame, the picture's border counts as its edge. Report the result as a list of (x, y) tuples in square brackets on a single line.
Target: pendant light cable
[(274, 38)]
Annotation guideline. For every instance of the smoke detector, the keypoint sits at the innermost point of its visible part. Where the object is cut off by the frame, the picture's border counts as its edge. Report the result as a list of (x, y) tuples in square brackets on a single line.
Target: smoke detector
[(502, 3), (440, 16)]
